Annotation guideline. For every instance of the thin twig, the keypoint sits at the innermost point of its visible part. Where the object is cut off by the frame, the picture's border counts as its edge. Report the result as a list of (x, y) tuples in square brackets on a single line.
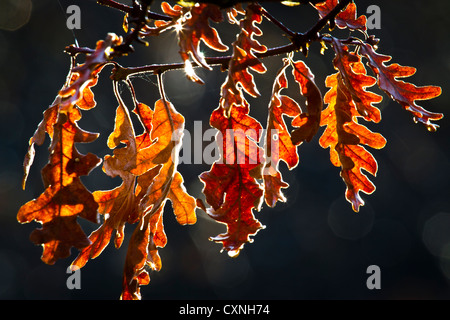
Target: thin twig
[(115, 5), (302, 40), (122, 73), (299, 41), (277, 22)]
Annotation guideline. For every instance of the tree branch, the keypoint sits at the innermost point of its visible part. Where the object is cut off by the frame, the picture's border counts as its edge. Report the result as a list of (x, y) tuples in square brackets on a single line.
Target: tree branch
[(299, 41), (302, 40), (122, 73)]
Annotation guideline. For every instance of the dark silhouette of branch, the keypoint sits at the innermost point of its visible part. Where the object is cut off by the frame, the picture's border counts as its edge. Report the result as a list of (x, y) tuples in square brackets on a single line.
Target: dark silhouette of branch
[(299, 41)]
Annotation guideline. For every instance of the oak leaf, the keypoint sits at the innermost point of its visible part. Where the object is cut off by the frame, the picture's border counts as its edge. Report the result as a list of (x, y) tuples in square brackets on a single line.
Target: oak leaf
[(167, 184), (231, 187), (308, 122), (344, 135), (243, 58), (404, 93), (346, 18), (305, 124), (147, 166), (279, 145), (65, 197), (119, 205), (85, 75), (76, 91), (192, 26), (348, 100)]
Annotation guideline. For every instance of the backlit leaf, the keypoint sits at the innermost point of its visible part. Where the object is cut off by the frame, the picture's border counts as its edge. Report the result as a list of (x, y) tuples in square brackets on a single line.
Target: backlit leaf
[(281, 146), (244, 48), (346, 18), (343, 135), (404, 93), (65, 197), (347, 101), (308, 122), (231, 186)]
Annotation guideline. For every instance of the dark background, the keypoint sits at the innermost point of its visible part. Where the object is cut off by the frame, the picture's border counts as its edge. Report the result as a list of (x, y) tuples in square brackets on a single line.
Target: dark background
[(314, 246)]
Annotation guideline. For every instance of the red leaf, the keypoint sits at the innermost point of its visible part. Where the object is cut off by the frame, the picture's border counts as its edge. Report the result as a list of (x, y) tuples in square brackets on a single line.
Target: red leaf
[(231, 186), (306, 124), (237, 193), (356, 80)]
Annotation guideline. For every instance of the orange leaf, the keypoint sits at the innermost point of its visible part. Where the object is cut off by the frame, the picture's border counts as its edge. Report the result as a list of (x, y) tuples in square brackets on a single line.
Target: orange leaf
[(46, 125), (65, 197), (196, 28), (183, 204), (343, 135), (356, 80), (155, 164), (142, 252), (166, 131)]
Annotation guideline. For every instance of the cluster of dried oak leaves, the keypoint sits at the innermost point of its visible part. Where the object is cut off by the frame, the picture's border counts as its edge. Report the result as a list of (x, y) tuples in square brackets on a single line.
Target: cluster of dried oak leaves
[(147, 163)]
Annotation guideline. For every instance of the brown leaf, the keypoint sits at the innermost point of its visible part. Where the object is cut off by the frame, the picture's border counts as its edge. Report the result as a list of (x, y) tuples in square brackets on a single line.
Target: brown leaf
[(85, 75), (155, 163), (404, 93), (346, 18), (279, 145), (192, 27), (239, 78), (308, 122)]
